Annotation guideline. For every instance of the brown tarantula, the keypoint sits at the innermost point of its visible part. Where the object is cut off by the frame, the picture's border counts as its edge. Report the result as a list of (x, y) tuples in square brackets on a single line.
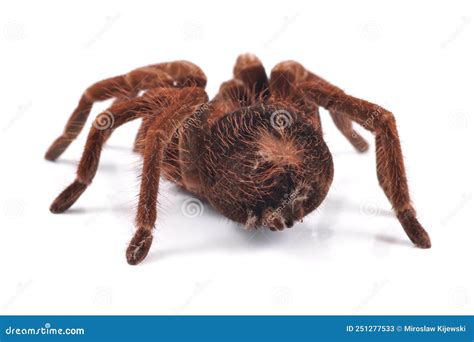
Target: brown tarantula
[(255, 152)]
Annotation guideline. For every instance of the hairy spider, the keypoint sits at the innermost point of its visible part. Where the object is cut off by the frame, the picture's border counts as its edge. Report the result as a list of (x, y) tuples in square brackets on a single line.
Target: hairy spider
[(255, 152)]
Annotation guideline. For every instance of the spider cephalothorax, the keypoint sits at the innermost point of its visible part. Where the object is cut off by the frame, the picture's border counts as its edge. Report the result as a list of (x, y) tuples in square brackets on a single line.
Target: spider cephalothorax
[(255, 152)]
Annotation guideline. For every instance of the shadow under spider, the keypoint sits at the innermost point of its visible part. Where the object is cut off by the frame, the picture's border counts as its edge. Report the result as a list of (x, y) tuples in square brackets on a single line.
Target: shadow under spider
[(292, 240), (103, 166), (94, 210)]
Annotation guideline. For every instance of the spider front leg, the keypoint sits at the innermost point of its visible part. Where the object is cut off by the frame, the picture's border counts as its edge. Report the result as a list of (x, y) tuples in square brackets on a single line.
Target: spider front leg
[(158, 135), (391, 169), (121, 113), (172, 74), (119, 87), (283, 84), (149, 105), (250, 70)]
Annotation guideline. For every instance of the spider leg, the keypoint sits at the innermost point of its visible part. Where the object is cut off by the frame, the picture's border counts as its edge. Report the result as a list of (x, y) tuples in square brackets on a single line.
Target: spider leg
[(119, 114), (179, 74), (391, 169), (126, 96), (249, 69), (159, 134), (283, 80), (249, 86), (119, 87), (141, 134), (344, 124)]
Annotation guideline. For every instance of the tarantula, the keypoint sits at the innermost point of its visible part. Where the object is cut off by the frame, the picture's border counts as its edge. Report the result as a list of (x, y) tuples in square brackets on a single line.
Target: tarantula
[(255, 152)]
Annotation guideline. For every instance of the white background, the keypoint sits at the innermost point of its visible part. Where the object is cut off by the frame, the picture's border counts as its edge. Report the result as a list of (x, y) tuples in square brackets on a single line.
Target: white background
[(349, 257)]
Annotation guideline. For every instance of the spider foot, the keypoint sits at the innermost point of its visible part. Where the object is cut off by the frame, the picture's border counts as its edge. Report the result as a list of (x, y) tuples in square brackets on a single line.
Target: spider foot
[(139, 246), (414, 230), (279, 219), (68, 197), (361, 145), (57, 148), (273, 220)]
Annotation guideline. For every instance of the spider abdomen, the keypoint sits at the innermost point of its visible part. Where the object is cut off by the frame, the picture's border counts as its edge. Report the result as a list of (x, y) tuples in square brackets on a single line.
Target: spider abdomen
[(264, 165)]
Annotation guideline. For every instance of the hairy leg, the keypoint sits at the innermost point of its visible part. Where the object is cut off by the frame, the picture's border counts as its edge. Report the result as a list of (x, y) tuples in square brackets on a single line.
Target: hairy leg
[(344, 124), (391, 169), (121, 113), (178, 74), (158, 136), (149, 105), (249, 69), (283, 84), (140, 137), (118, 87)]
